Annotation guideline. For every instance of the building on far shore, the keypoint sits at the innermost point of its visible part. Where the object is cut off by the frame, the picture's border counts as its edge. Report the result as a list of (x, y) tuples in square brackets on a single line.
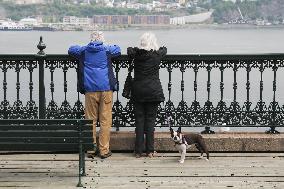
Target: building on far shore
[(131, 20), (29, 21), (73, 20)]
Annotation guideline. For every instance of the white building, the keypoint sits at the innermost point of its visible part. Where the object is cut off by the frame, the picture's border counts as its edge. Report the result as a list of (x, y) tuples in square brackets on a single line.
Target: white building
[(173, 6), (76, 20), (240, 0), (29, 21), (182, 2), (177, 21), (23, 2)]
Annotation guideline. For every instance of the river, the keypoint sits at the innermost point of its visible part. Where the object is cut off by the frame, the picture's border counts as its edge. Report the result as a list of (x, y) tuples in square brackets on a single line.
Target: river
[(178, 41)]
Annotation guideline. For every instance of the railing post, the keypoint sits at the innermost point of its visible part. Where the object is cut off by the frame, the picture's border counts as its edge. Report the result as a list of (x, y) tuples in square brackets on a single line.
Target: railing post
[(274, 103), (208, 107), (81, 169), (41, 58)]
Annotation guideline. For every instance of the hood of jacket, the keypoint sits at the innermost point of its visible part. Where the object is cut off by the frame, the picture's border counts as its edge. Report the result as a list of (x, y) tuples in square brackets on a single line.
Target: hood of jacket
[(95, 46)]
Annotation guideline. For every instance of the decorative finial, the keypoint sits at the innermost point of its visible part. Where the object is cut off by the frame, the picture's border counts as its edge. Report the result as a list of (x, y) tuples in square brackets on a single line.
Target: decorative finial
[(41, 46)]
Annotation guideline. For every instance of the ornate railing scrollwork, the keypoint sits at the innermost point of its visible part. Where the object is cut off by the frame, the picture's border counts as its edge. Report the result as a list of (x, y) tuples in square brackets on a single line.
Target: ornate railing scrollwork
[(203, 109)]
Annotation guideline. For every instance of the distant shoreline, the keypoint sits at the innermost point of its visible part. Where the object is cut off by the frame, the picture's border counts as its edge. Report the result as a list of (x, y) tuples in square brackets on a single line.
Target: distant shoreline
[(167, 27), (188, 26), (242, 26), (210, 26)]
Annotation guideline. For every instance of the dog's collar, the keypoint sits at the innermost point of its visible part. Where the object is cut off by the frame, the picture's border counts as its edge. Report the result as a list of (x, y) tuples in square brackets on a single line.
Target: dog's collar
[(183, 141), (177, 143)]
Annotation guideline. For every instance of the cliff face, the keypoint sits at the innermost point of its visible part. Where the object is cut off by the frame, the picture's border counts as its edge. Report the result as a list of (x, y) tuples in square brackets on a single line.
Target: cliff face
[(272, 10), (224, 11)]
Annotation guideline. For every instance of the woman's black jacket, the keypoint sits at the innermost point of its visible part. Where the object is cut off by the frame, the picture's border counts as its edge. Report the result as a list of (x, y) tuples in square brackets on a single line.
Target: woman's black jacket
[(147, 86)]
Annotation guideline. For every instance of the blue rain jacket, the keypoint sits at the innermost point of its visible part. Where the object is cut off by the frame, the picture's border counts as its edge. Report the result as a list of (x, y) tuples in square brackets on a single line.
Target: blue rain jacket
[(95, 71)]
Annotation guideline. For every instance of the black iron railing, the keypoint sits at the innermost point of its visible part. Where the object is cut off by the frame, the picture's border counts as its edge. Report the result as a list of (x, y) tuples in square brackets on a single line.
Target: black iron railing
[(184, 76)]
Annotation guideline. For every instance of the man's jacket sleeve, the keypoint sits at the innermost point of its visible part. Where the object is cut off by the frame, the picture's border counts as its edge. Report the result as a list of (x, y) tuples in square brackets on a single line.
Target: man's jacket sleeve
[(114, 50), (75, 51)]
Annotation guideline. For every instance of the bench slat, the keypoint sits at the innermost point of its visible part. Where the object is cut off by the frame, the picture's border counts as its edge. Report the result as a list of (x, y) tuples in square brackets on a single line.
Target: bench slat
[(44, 127), (30, 140), (32, 133), (43, 147), (44, 121)]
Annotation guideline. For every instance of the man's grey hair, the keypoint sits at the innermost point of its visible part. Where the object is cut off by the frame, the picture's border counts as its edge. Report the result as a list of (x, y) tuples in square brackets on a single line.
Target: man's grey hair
[(97, 36), (148, 41)]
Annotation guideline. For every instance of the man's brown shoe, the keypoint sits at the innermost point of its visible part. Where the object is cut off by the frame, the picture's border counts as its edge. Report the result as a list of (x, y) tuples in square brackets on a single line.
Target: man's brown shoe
[(92, 154), (104, 156)]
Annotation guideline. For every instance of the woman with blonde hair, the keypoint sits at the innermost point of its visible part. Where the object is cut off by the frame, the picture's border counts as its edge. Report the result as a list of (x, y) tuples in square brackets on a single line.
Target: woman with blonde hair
[(147, 90)]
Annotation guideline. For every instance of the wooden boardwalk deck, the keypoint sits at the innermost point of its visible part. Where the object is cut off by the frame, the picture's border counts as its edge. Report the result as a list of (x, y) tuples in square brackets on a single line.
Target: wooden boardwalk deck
[(123, 171)]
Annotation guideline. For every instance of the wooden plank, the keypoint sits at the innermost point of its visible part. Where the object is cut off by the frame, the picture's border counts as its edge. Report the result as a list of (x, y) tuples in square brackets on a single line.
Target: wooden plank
[(126, 172), (130, 156), (151, 165)]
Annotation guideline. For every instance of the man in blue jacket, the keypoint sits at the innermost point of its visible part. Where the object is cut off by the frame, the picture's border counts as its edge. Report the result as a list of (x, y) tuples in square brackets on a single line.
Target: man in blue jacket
[(96, 80)]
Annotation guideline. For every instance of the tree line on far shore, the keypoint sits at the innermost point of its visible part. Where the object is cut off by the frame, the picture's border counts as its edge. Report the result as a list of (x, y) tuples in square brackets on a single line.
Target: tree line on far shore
[(224, 11)]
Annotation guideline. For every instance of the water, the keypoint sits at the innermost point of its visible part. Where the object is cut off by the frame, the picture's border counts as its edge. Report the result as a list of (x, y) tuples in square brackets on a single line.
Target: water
[(178, 41)]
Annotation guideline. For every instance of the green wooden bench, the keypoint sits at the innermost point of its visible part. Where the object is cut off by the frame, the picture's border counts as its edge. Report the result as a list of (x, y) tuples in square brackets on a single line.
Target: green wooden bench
[(47, 135)]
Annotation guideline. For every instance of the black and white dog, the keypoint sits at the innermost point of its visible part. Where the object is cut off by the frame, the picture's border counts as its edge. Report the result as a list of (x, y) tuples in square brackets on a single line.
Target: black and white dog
[(183, 142)]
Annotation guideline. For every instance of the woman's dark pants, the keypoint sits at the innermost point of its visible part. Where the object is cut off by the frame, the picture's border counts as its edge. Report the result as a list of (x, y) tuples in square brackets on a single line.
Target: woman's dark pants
[(145, 117)]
